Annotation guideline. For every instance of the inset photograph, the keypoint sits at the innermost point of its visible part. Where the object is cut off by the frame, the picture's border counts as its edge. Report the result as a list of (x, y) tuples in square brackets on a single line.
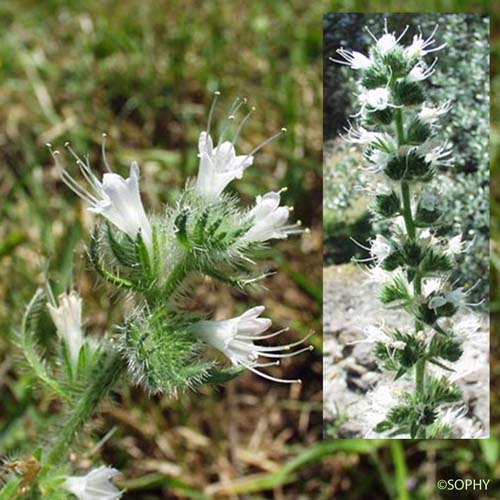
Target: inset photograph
[(406, 226)]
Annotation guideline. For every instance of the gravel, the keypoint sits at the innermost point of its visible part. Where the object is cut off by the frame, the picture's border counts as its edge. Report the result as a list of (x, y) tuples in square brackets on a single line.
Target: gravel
[(350, 370)]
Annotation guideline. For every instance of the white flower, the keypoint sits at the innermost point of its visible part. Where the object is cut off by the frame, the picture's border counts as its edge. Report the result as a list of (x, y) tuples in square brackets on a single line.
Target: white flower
[(269, 219), (95, 485), (373, 407), (374, 334), (354, 59), (464, 427), (375, 99), (388, 41), (67, 318), (436, 155), (379, 159), (218, 166), (362, 136), (235, 338), (115, 198), (467, 327), (419, 46), (375, 274), (380, 249), (456, 245), (430, 115), (455, 297), (431, 285), (421, 71)]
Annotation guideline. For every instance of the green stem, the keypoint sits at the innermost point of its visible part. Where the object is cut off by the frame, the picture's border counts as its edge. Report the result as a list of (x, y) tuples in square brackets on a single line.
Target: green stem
[(419, 376), (399, 127), (407, 215), (105, 374), (410, 229)]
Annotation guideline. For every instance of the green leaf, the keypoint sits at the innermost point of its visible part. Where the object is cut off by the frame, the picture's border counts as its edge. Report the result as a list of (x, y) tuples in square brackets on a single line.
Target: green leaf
[(29, 346), (8, 492), (93, 253), (437, 363), (401, 372)]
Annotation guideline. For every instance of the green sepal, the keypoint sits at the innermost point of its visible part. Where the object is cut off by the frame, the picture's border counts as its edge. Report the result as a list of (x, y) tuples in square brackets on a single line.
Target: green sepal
[(412, 253), (414, 427), (435, 261), (417, 131), (122, 250), (397, 61), (387, 205), (445, 347), (394, 260), (200, 226), (181, 222), (425, 218), (395, 291), (28, 344), (223, 375), (375, 76), (378, 117), (143, 257), (383, 426), (93, 253), (407, 93), (440, 391)]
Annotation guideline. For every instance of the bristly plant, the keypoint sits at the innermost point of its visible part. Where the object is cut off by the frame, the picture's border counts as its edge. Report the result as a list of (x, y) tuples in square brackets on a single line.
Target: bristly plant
[(397, 129), (160, 345)]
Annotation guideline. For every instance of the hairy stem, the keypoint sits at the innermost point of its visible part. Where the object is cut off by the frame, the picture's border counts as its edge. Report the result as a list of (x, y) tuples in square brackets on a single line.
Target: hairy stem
[(399, 127), (106, 373), (410, 229), (407, 215)]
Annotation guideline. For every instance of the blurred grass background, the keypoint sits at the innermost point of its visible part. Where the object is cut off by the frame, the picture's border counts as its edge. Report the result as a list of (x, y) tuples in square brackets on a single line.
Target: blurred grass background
[(143, 72)]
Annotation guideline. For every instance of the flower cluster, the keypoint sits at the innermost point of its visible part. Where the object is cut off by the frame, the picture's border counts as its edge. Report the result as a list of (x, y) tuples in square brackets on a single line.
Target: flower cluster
[(155, 259), (397, 130)]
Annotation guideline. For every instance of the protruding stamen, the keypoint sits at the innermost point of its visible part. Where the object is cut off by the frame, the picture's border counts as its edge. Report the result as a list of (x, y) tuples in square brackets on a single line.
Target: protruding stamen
[(285, 347), (262, 337), (237, 103), (269, 377), (264, 144), (84, 168), (242, 124), (403, 34), (285, 355), (69, 181), (371, 34), (104, 156), (211, 112)]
